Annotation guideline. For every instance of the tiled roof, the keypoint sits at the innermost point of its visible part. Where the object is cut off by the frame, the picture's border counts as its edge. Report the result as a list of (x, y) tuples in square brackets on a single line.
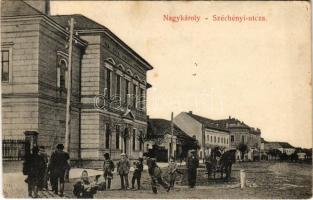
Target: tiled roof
[(81, 22), (232, 122), (208, 123), (161, 127), (279, 145), (10, 8)]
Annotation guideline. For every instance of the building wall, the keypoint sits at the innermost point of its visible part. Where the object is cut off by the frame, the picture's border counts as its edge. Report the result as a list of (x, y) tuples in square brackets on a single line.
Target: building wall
[(19, 95), (52, 98), (217, 138), (31, 99), (189, 125), (96, 119)]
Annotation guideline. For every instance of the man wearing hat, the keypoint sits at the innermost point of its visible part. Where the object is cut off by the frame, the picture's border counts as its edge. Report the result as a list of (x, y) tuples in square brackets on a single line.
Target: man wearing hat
[(123, 167), (58, 166), (192, 165)]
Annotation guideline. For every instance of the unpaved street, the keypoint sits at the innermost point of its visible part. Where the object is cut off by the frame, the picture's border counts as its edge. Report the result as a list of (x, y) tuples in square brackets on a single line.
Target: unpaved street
[(264, 180)]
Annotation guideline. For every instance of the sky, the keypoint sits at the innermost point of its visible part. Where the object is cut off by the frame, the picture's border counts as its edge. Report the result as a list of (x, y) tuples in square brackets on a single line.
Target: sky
[(256, 71)]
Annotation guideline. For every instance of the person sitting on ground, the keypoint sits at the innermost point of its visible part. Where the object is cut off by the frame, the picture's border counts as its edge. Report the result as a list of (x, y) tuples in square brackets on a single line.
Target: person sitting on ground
[(84, 189)]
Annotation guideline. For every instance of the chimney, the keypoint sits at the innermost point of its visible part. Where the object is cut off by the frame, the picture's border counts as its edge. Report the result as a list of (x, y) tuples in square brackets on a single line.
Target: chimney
[(40, 5), (229, 117), (190, 112)]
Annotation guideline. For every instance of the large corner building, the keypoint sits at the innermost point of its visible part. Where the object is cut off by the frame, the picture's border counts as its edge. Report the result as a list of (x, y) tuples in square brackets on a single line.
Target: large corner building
[(108, 111)]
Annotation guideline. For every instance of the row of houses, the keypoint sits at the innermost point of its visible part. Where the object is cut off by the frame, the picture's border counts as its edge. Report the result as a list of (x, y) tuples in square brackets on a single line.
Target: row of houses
[(207, 134)]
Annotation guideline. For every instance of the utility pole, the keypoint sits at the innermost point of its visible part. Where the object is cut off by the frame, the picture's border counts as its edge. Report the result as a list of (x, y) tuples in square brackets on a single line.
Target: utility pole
[(172, 134), (69, 89)]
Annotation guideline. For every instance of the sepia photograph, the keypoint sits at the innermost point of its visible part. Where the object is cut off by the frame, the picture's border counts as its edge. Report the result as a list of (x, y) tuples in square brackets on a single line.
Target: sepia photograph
[(156, 99)]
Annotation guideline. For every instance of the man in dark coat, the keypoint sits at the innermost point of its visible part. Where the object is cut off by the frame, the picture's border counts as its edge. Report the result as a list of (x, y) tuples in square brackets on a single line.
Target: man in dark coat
[(58, 166), (192, 165), (44, 178), (36, 171), (108, 168)]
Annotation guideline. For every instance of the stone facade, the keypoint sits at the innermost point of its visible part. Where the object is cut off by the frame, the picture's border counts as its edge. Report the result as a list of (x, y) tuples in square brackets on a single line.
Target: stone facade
[(34, 96)]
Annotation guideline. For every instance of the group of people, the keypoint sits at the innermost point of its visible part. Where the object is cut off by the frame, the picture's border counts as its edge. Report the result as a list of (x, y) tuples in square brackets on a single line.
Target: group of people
[(39, 169), (85, 188)]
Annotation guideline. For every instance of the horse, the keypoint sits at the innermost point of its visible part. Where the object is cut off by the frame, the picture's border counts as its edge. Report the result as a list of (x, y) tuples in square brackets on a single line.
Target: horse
[(219, 162), (227, 160)]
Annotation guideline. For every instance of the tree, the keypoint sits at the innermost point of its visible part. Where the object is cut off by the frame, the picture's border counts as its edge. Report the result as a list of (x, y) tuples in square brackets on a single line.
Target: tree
[(243, 148)]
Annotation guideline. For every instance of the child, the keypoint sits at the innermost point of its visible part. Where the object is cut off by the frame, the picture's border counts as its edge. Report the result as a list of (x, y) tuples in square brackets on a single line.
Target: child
[(84, 188), (137, 172), (172, 170), (108, 168)]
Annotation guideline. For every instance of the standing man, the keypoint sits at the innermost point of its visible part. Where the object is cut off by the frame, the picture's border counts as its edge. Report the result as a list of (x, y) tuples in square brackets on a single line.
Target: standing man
[(35, 173), (108, 168), (192, 165), (58, 166), (44, 178), (123, 167)]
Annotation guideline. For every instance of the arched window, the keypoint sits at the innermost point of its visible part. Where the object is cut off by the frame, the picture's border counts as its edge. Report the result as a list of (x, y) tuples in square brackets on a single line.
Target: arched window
[(62, 74)]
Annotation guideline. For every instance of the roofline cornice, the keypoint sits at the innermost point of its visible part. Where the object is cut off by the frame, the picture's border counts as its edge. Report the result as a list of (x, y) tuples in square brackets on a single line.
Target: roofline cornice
[(50, 21), (117, 40)]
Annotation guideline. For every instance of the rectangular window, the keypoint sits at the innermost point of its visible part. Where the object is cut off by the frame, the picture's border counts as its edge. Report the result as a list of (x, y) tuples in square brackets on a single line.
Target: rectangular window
[(208, 138), (134, 139), (117, 136), (108, 82), (211, 139), (142, 98), (218, 139), (232, 138), (118, 85), (127, 92), (140, 141), (107, 136), (134, 95), (214, 139), (5, 63), (226, 140)]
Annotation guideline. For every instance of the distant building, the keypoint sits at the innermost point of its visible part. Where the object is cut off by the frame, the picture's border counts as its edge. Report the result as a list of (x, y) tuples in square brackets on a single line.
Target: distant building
[(207, 131), (241, 133), (160, 142), (109, 83), (283, 147)]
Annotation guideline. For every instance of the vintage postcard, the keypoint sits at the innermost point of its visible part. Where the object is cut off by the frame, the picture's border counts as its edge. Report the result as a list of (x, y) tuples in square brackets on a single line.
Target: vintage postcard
[(156, 99)]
